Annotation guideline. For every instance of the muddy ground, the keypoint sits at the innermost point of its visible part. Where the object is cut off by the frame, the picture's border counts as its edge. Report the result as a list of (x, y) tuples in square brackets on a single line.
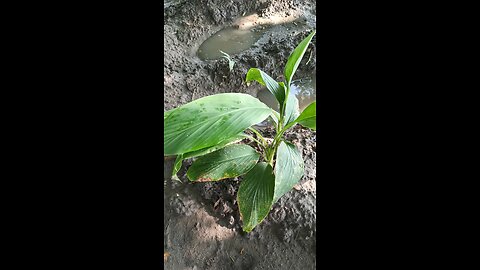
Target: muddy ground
[(202, 223)]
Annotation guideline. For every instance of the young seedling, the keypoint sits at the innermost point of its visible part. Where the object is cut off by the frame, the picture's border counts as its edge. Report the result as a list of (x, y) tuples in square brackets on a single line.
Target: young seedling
[(208, 129), (231, 63)]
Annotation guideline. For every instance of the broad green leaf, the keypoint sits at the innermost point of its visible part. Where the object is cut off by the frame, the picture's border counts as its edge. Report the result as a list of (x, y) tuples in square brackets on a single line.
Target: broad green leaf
[(308, 118), (278, 90), (214, 148), (296, 57), (167, 113), (255, 195), (178, 162), (291, 109), (289, 168), (177, 165), (210, 120), (228, 162)]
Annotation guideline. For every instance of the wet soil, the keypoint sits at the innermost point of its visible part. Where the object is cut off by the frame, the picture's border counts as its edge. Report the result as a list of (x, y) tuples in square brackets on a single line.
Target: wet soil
[(202, 222)]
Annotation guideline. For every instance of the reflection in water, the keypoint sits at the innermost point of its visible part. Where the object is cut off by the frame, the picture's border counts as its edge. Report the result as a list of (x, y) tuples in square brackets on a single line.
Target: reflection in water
[(229, 40), (304, 89)]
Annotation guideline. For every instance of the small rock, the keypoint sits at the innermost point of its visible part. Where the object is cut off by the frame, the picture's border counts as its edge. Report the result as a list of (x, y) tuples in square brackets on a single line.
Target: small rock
[(165, 256)]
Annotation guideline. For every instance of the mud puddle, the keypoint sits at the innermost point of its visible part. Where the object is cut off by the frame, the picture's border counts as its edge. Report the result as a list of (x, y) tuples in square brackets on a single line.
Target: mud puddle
[(305, 90), (229, 40), (245, 32)]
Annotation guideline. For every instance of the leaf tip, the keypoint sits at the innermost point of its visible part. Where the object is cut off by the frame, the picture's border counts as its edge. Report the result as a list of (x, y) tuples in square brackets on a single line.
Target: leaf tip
[(247, 229)]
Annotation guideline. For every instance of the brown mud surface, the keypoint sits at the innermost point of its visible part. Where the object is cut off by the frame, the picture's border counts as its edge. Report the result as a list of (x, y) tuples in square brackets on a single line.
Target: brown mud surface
[(202, 222)]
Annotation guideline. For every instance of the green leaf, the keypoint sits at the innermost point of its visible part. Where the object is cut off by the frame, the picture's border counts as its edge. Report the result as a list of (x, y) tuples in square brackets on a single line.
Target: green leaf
[(296, 57), (289, 168), (210, 120), (278, 90), (255, 195), (214, 148), (178, 162), (308, 118), (231, 161), (167, 114), (177, 165), (291, 109)]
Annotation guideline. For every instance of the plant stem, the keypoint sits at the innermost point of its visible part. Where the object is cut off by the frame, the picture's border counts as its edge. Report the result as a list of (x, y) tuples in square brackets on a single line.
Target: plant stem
[(270, 156), (273, 148), (276, 143), (276, 114), (259, 136), (280, 130), (257, 141), (283, 107), (277, 126)]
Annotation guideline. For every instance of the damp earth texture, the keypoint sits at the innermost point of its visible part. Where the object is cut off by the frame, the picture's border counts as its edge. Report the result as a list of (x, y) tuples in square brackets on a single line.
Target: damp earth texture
[(203, 228)]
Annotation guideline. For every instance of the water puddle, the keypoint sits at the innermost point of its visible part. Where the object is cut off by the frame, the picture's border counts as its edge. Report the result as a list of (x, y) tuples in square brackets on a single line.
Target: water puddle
[(305, 90), (230, 40), (246, 31)]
